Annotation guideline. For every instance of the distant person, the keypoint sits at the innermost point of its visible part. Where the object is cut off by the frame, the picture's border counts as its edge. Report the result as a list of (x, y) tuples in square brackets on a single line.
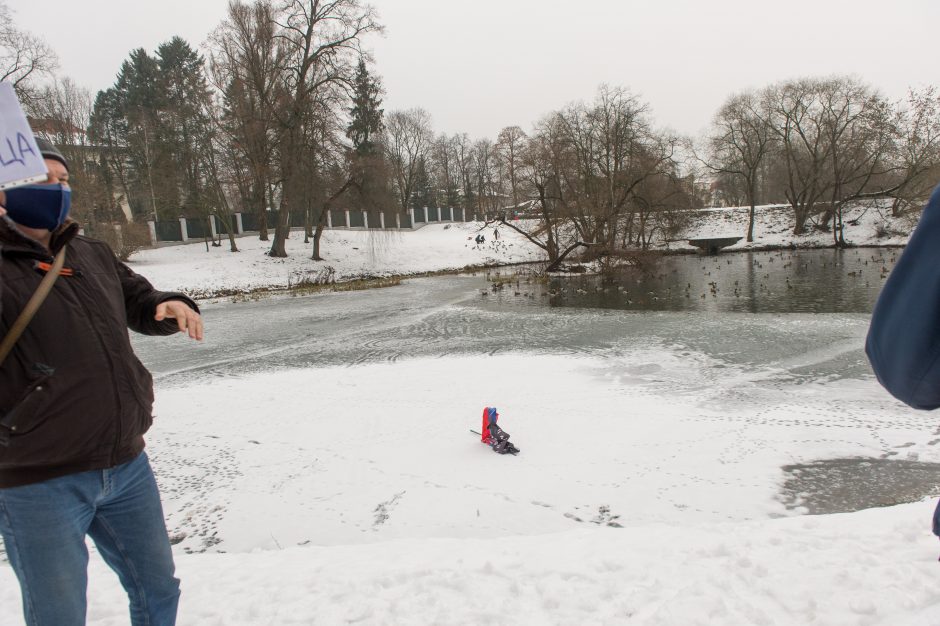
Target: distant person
[(903, 341), (496, 234), (74, 404)]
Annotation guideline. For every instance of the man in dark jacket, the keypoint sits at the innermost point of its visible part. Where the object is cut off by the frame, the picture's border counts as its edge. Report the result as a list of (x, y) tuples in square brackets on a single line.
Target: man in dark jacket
[(903, 342), (74, 404)]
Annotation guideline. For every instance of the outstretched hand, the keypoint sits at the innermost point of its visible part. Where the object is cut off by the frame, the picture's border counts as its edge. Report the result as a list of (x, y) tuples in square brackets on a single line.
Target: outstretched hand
[(188, 320)]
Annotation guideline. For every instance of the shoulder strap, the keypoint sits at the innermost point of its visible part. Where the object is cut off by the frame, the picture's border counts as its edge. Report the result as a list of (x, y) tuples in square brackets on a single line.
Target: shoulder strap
[(35, 301)]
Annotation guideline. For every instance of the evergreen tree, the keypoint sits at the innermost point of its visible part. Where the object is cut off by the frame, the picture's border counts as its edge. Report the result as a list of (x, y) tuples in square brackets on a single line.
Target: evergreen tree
[(368, 174), (108, 130), (184, 93), (154, 123), (136, 101), (365, 124)]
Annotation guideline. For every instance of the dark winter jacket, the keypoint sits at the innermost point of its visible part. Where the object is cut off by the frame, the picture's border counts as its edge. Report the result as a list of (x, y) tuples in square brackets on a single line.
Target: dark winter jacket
[(73, 396), (904, 338)]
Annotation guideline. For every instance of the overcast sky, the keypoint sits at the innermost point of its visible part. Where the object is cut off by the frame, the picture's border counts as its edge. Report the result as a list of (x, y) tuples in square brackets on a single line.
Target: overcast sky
[(482, 65)]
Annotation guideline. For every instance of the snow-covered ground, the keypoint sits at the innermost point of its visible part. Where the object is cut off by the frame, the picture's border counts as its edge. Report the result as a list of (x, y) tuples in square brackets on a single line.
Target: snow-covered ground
[(870, 567), (869, 224), (347, 254), (647, 490), (356, 495)]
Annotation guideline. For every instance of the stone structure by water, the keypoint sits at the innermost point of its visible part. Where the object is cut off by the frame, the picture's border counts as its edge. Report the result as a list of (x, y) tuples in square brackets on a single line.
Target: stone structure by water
[(713, 245)]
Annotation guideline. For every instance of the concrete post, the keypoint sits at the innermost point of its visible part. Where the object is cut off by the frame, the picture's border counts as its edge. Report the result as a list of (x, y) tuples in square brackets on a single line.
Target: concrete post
[(212, 229), (382, 221), (239, 229), (365, 219), (347, 219), (152, 227), (183, 229), (397, 221), (329, 219)]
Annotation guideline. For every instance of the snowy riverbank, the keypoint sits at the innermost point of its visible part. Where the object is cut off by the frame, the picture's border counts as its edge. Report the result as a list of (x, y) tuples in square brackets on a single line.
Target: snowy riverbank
[(348, 255), (351, 254), (867, 225)]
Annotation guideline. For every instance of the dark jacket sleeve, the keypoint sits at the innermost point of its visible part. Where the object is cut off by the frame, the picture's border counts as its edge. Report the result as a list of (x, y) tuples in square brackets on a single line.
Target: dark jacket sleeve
[(903, 342), (141, 300), (1, 280)]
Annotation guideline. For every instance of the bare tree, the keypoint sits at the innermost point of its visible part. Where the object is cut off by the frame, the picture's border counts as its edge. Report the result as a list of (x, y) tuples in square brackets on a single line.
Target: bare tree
[(408, 138), (793, 110), (245, 60), (462, 149), (321, 42), (739, 141), (24, 57), (487, 188), (219, 163), (509, 147), (545, 158), (662, 202), (61, 111), (857, 124), (918, 148), (835, 137), (615, 150), (332, 166), (446, 173)]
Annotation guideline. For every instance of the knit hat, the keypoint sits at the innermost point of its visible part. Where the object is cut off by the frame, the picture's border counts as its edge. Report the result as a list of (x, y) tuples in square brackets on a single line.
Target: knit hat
[(49, 151)]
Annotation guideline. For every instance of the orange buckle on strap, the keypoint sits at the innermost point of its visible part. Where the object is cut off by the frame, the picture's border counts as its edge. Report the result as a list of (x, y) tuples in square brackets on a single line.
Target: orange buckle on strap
[(45, 267)]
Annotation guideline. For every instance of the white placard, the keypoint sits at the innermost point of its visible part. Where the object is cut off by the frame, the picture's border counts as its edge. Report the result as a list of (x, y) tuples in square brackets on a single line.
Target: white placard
[(20, 160)]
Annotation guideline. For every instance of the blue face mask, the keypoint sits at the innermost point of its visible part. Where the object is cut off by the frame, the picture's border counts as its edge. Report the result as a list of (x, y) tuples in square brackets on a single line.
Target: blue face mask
[(39, 206)]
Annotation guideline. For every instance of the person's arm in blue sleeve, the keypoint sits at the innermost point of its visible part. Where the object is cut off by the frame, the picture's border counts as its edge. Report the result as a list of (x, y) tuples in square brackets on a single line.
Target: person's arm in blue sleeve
[(903, 343)]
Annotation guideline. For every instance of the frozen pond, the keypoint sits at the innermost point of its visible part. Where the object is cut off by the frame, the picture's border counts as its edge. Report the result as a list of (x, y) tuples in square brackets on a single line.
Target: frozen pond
[(806, 310), (656, 397)]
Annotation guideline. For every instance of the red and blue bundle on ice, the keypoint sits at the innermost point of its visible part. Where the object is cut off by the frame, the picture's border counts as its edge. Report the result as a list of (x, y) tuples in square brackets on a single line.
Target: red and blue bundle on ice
[(493, 435)]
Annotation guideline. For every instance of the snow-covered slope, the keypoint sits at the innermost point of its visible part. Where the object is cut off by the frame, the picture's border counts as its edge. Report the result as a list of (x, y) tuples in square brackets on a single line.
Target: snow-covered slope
[(350, 254)]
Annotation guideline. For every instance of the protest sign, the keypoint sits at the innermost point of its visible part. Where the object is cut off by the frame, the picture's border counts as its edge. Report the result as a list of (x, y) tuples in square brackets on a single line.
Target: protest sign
[(21, 162)]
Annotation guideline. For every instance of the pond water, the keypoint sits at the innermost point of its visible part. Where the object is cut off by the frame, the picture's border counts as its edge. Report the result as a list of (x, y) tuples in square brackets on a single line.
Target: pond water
[(787, 281), (786, 321)]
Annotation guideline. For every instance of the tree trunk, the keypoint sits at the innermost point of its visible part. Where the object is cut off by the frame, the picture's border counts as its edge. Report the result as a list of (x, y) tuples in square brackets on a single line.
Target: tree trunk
[(227, 221), (266, 192), (800, 213), (281, 229), (308, 226), (557, 262), (316, 241), (750, 217), (262, 224), (838, 227), (324, 211)]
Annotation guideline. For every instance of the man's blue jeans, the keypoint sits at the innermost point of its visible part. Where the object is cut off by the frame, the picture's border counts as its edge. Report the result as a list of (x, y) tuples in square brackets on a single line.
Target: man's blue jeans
[(44, 526)]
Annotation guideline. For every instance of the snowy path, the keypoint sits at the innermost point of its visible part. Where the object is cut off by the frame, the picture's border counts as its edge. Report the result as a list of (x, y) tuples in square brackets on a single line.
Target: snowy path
[(869, 568)]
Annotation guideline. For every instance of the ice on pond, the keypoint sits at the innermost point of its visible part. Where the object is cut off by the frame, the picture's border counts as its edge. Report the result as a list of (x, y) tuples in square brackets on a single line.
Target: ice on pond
[(308, 419)]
